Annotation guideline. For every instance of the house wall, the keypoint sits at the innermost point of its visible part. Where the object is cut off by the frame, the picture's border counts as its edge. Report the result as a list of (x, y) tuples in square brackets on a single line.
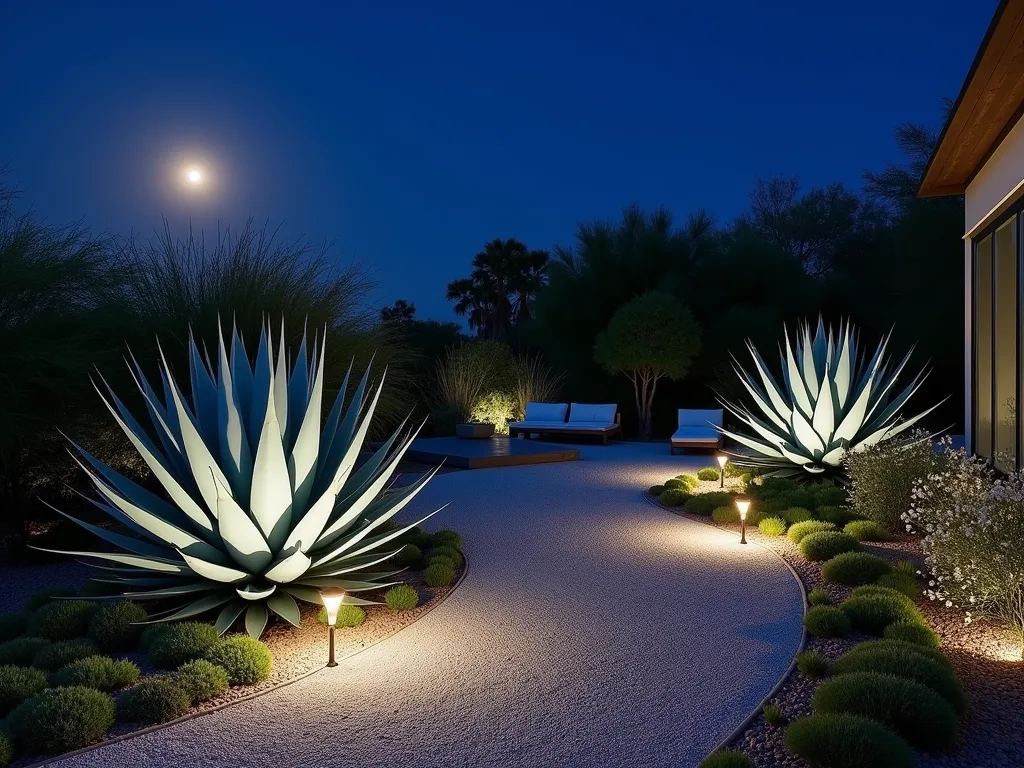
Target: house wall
[(998, 183)]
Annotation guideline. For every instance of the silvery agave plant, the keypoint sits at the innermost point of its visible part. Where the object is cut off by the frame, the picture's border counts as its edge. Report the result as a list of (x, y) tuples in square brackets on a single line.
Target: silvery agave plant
[(264, 504), (834, 400)]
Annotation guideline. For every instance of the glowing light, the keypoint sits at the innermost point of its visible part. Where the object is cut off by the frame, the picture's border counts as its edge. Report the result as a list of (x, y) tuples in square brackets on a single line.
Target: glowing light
[(332, 603), (195, 176), (743, 506), (722, 461)]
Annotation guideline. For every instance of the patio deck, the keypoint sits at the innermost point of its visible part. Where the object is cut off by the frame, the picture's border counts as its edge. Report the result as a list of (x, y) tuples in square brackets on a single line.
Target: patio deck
[(497, 451)]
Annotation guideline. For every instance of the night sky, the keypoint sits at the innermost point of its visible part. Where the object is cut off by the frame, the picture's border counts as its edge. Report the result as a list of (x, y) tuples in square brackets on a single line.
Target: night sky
[(411, 132)]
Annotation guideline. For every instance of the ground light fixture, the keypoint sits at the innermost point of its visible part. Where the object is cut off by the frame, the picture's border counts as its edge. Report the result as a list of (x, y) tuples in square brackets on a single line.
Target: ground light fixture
[(722, 461), (743, 505), (332, 597)]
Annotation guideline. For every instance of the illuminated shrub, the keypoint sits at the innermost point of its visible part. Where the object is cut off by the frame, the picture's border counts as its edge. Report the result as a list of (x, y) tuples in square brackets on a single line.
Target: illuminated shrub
[(348, 616), (726, 758), (865, 530), (826, 545), (247, 661), (116, 626), (708, 473), (798, 531), (180, 643), (772, 526), (913, 632), (99, 672), (401, 598), (873, 613), (201, 680), (818, 596), (438, 575), (675, 497), (853, 568), (153, 701), (893, 660)]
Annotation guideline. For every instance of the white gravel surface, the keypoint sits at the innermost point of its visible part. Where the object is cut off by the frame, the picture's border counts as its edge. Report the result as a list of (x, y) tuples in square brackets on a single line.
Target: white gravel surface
[(591, 630)]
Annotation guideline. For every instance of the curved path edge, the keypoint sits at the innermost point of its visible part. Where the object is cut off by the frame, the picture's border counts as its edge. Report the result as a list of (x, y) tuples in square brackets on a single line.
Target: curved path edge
[(55, 759), (739, 729)]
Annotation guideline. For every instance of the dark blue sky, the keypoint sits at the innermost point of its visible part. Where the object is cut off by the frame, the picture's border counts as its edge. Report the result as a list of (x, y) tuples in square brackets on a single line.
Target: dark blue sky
[(411, 132)]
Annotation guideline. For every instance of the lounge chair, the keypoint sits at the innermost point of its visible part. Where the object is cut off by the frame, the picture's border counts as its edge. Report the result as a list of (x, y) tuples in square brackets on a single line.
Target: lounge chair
[(697, 430), (583, 419)]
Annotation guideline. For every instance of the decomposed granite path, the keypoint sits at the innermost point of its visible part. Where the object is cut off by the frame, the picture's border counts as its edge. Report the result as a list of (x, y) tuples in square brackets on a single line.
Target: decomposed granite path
[(592, 629)]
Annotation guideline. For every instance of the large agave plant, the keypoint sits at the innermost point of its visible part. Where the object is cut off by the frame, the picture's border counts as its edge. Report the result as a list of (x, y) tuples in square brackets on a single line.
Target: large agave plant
[(834, 400), (264, 505)]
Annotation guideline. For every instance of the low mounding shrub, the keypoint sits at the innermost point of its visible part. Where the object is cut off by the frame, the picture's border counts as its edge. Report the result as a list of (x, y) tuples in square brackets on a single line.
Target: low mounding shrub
[(901, 583), (921, 650), (773, 715), (795, 515), (873, 613), (854, 568), (725, 515), (891, 660), (180, 643), (115, 626), (818, 596), (62, 719), (690, 480), (201, 680), (45, 596), (798, 531), (675, 483), (444, 560), (450, 552), (905, 568), (348, 616), (6, 750), (913, 632), (838, 516), (707, 474), (826, 544), (11, 625), (99, 672), (402, 598), (847, 741), (656, 490), (153, 701), (438, 575), (812, 664), (18, 684), (878, 589), (55, 656), (772, 526), (446, 538), (865, 530), (21, 650), (726, 758), (911, 709), (705, 503), (61, 619), (827, 621), (150, 634), (746, 477), (247, 661), (675, 497), (410, 556)]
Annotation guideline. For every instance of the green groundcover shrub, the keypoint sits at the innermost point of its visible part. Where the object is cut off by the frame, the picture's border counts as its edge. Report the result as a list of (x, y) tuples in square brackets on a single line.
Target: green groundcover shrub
[(865, 530), (450, 552), (838, 516), (900, 582), (827, 544), (61, 719), (402, 598), (725, 515), (798, 531), (827, 621), (690, 480), (180, 643), (61, 619), (907, 664), (772, 526), (446, 538), (705, 503), (348, 616), (912, 632), (18, 684), (707, 474), (21, 650), (773, 715), (795, 515), (930, 653), (675, 497), (55, 656), (872, 613), (656, 490), (819, 596), (438, 575), (11, 625), (99, 672), (675, 483), (247, 661), (201, 680), (847, 741), (914, 711), (410, 556), (726, 758), (153, 701), (812, 664), (854, 568), (116, 626)]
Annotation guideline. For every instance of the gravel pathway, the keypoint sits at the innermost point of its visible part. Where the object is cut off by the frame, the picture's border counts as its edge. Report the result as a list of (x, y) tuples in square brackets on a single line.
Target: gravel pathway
[(591, 629)]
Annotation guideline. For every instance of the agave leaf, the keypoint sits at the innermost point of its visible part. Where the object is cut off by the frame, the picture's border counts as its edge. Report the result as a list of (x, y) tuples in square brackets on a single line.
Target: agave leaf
[(279, 387), (348, 564), (256, 620), (774, 392), (360, 480), (358, 544), (253, 593), (204, 396), (176, 590), (118, 540), (810, 375), (759, 397), (284, 605), (793, 378), (261, 377), (289, 568), (241, 537), (306, 594), (241, 373), (229, 615), (212, 571), (347, 585), (149, 563), (158, 417), (843, 377), (343, 438), (234, 444), (298, 394), (308, 530), (330, 428), (388, 506), (303, 459), (271, 490), (824, 413), (762, 448)]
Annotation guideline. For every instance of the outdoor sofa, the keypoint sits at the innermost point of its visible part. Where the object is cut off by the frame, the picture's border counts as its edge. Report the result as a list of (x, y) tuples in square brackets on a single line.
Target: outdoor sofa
[(568, 419), (697, 430)]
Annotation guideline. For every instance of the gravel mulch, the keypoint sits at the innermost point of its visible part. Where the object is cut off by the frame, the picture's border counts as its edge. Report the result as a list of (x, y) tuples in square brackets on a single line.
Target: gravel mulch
[(984, 655)]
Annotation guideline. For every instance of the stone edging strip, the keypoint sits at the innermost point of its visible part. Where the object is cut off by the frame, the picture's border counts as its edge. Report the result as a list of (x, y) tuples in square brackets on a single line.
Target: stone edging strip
[(184, 718), (739, 729)]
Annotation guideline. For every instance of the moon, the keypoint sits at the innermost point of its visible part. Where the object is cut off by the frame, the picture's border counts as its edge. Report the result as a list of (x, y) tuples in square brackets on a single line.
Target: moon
[(194, 176)]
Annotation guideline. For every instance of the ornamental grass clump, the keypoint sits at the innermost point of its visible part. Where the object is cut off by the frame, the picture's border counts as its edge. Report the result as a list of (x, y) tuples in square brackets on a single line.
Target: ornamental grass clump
[(825, 545), (865, 530), (116, 626), (18, 684), (819, 596), (349, 616), (61, 719), (847, 741), (153, 701), (690, 480), (894, 660), (838, 516), (772, 526), (99, 672), (931, 653), (446, 551), (201, 680), (827, 621), (656, 490), (726, 758), (798, 531), (872, 613), (410, 556), (704, 503), (61, 619), (972, 526), (707, 474), (900, 582), (773, 715), (674, 483), (812, 664), (913, 632), (914, 711), (854, 568), (438, 575), (246, 660), (6, 750), (401, 598)]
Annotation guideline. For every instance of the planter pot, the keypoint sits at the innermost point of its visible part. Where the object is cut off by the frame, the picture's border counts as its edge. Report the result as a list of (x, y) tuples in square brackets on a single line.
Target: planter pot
[(474, 431)]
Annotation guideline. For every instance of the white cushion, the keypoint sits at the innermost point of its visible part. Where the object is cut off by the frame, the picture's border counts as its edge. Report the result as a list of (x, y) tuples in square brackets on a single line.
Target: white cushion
[(580, 412), (596, 425), (700, 418), (546, 412), (555, 426), (696, 435)]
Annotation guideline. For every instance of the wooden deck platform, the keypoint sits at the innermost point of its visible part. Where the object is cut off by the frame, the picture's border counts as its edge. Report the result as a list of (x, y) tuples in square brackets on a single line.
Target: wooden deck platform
[(497, 451)]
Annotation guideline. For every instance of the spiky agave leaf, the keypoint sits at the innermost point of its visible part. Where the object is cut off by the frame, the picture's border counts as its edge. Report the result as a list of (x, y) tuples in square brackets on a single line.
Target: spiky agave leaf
[(833, 400), (264, 504)]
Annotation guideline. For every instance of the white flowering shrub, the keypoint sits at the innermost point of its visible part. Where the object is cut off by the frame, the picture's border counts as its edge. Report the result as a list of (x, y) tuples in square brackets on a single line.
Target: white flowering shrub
[(882, 476), (972, 524)]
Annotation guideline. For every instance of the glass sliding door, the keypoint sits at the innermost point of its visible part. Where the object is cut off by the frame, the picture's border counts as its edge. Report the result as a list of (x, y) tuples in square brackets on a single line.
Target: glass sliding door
[(1005, 345), (983, 433)]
